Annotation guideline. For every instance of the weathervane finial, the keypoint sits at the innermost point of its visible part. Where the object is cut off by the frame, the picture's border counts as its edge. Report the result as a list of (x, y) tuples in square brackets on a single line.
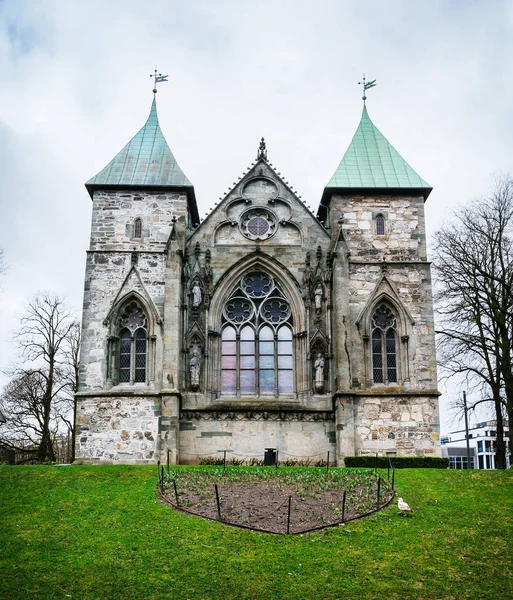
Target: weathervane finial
[(262, 150), (159, 78), (366, 86)]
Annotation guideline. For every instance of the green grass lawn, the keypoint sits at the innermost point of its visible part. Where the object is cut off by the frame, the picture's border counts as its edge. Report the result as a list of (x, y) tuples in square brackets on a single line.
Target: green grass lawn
[(99, 532)]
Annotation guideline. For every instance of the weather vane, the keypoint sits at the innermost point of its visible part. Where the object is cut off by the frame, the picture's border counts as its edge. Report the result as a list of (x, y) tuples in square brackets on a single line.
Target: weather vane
[(159, 78), (366, 86)]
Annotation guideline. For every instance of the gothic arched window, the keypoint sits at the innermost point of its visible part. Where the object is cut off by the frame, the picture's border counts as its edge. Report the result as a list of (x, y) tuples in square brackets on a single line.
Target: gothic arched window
[(138, 228), (133, 344), (380, 225), (256, 339), (384, 345)]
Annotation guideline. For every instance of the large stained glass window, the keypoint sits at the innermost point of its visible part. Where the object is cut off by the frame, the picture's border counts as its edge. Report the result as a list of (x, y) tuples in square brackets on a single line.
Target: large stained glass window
[(133, 345), (384, 345), (256, 340)]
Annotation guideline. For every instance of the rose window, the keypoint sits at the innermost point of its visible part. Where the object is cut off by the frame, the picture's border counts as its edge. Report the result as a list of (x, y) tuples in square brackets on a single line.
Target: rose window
[(257, 285), (258, 224), (275, 310), (238, 310)]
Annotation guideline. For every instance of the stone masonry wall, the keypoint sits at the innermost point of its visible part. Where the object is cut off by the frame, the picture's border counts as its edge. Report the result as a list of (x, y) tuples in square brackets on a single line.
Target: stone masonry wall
[(249, 438), (121, 429), (407, 425)]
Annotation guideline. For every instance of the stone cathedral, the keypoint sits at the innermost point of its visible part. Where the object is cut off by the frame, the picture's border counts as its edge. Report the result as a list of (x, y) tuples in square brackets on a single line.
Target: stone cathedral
[(264, 325)]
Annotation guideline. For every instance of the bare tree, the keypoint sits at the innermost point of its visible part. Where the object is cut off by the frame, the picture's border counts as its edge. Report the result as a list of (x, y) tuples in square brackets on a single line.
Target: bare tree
[(40, 395), (474, 269)]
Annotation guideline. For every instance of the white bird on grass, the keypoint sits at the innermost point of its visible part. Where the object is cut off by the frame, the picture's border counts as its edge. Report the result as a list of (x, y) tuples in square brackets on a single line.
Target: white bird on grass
[(403, 507)]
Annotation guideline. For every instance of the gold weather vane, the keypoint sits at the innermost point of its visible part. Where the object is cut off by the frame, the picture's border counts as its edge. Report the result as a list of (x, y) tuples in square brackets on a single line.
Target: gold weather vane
[(367, 85), (159, 78)]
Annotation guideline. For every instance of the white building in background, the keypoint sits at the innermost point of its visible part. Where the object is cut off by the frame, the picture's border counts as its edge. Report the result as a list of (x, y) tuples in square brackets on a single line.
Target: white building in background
[(482, 442)]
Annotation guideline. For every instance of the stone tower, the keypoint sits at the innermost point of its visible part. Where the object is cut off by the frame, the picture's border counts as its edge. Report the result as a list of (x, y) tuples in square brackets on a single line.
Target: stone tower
[(263, 326)]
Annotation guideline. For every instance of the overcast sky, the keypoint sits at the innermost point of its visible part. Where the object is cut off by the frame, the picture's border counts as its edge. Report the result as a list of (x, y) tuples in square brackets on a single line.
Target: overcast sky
[(75, 88)]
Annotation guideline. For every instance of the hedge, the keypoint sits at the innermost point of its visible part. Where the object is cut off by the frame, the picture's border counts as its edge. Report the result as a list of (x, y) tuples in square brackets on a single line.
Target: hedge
[(398, 462)]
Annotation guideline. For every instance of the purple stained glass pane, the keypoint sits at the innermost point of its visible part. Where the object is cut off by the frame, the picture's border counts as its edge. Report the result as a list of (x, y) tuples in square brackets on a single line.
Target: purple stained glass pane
[(247, 362), (247, 333), (247, 381), (285, 382), (229, 348), (284, 347), (267, 382), (229, 362), (267, 348), (284, 333), (258, 226), (247, 347), (266, 333), (267, 362), (228, 381), (228, 333), (284, 362)]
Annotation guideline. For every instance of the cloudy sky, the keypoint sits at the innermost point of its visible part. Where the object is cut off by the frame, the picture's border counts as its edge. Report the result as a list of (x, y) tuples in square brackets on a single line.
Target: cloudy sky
[(75, 88)]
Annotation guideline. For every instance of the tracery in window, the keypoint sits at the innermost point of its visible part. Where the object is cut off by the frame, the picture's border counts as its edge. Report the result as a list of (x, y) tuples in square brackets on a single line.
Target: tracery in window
[(256, 339), (380, 225), (133, 344), (258, 224), (384, 345)]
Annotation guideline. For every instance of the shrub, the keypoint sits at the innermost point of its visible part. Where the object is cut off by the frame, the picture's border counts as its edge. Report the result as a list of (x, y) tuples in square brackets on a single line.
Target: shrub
[(211, 460), (398, 462)]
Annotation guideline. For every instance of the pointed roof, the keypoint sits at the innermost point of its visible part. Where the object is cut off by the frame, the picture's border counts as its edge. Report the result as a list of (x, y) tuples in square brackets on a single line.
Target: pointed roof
[(372, 162), (146, 161)]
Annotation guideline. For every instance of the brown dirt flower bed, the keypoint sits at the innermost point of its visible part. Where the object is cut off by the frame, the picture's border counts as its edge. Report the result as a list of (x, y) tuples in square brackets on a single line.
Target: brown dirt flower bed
[(258, 497)]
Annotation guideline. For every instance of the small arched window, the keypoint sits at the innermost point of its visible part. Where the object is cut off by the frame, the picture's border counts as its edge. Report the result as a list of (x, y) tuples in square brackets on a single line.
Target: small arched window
[(133, 344), (256, 340), (380, 225), (138, 228), (384, 345)]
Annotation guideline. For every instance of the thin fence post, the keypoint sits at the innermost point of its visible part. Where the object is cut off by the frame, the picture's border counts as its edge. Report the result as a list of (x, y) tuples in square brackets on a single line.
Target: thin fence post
[(328, 462), (288, 516), (344, 507), (176, 492), (277, 451), (162, 479), (388, 470), (218, 503), (379, 489), (168, 461), (224, 462), (158, 470), (393, 479)]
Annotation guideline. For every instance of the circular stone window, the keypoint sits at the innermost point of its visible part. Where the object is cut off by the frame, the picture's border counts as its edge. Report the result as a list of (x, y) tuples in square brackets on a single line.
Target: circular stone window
[(258, 224)]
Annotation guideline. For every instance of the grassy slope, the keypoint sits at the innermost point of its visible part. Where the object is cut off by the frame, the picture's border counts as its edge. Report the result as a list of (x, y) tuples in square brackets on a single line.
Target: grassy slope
[(98, 532)]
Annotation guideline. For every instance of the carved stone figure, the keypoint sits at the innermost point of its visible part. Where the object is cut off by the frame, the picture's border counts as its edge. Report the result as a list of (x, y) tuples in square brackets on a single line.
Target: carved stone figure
[(196, 295), (318, 294), (319, 373), (195, 367)]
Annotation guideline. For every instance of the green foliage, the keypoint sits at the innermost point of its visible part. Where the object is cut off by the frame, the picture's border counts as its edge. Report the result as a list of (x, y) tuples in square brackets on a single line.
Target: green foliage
[(90, 532), (398, 462)]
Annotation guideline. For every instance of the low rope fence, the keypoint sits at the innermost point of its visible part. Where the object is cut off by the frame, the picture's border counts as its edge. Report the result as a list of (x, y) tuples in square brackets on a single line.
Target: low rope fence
[(296, 506)]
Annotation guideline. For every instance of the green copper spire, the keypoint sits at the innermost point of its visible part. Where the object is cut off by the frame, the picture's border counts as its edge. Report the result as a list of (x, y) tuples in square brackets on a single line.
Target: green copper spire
[(372, 162), (146, 161)]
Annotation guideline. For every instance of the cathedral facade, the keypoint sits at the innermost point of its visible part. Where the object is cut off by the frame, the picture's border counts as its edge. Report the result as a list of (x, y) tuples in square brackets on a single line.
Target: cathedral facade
[(263, 326)]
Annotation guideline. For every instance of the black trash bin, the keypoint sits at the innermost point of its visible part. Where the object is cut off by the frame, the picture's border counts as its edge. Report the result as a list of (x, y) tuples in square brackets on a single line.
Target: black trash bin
[(270, 457)]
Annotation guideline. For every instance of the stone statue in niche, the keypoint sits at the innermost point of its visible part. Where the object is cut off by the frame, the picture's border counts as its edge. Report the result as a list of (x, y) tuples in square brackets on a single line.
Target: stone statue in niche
[(318, 295), (196, 295), (319, 373), (195, 367)]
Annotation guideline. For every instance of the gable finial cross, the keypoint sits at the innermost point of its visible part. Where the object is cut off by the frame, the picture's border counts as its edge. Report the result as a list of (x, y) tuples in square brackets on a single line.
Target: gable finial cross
[(367, 85), (158, 78), (262, 150)]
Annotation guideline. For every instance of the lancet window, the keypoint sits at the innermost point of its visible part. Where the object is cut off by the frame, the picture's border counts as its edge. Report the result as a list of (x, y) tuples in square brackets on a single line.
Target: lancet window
[(256, 340), (380, 225), (133, 344), (138, 228), (384, 345)]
